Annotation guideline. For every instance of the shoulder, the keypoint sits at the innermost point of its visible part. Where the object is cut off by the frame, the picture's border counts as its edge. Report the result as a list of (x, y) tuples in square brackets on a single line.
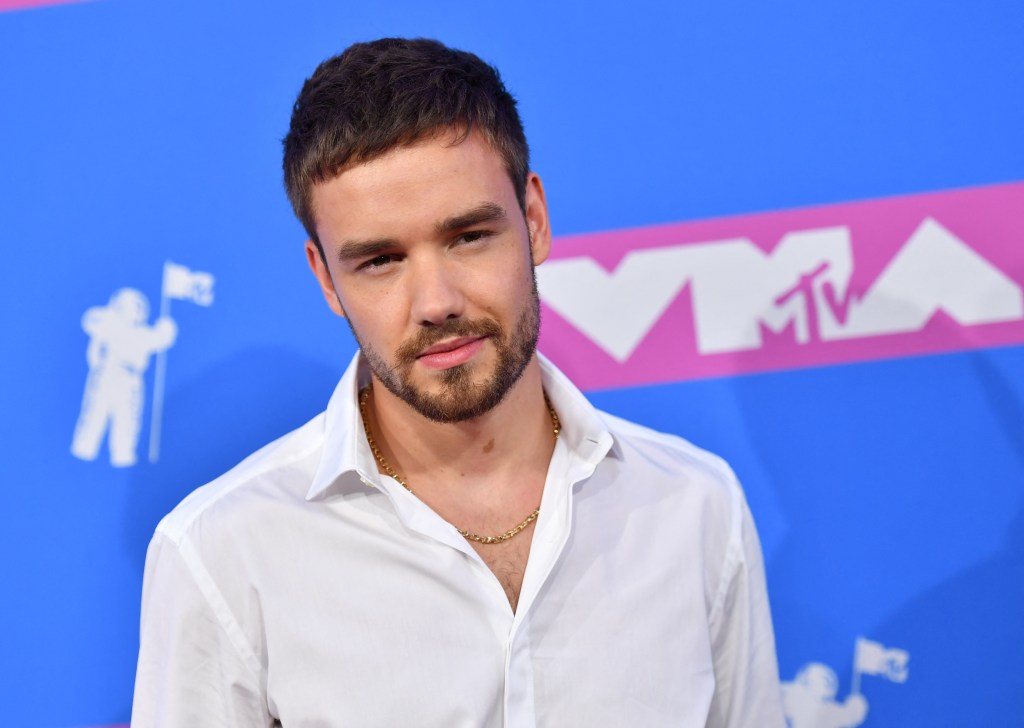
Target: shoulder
[(668, 453), (688, 483), (277, 473), (695, 497)]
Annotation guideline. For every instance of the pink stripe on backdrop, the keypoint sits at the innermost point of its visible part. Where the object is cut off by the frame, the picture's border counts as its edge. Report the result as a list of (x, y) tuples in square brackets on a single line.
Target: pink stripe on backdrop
[(978, 232), (25, 4)]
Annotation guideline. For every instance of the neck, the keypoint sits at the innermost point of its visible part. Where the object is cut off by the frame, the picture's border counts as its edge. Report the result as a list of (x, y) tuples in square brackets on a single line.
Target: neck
[(515, 437)]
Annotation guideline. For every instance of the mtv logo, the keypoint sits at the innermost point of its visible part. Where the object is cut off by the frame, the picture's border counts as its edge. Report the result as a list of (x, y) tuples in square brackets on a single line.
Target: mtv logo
[(805, 288), (738, 290)]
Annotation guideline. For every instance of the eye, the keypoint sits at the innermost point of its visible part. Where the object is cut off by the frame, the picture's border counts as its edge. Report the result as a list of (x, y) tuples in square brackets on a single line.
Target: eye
[(377, 262), (473, 236)]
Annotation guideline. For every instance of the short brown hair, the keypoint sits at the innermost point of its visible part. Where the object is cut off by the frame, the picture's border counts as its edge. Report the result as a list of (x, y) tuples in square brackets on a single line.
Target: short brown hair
[(388, 93)]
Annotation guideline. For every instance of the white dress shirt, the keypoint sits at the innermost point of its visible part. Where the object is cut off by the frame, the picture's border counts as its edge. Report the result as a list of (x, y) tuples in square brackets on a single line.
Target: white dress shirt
[(304, 588)]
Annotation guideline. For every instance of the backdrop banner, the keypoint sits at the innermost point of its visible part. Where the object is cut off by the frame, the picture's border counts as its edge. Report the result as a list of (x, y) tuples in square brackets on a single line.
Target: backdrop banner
[(792, 234)]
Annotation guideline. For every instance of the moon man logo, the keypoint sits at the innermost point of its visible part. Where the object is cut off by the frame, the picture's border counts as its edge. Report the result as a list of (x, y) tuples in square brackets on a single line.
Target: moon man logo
[(810, 699), (121, 343)]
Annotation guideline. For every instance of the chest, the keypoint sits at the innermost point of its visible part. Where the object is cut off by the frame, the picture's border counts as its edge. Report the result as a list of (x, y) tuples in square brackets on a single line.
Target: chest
[(420, 636), (507, 562)]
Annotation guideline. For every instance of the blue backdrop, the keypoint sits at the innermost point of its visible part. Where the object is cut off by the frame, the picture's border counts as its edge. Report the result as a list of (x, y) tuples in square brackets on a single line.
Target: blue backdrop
[(888, 494)]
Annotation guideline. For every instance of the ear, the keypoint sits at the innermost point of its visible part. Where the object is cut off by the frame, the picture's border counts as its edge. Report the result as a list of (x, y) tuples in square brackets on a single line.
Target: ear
[(537, 221), (323, 277)]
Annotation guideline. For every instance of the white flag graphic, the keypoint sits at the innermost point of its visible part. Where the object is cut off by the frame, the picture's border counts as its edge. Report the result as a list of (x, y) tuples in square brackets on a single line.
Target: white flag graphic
[(873, 658), (183, 284), (189, 285)]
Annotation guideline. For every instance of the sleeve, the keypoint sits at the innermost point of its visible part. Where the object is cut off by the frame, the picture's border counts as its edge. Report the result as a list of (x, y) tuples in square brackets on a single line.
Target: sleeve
[(194, 670), (747, 690)]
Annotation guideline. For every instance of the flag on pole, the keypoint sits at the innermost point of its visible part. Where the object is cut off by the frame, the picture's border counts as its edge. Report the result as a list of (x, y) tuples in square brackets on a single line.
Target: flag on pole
[(188, 285), (873, 658), (183, 284)]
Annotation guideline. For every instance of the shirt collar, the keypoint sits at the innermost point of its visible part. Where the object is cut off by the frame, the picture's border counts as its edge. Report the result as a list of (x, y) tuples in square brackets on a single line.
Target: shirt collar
[(347, 453)]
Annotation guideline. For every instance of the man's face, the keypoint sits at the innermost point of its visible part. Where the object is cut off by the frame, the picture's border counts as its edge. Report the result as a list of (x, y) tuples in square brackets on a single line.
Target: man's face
[(430, 260)]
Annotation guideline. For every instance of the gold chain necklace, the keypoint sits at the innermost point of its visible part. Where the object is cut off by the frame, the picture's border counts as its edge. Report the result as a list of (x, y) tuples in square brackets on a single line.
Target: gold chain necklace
[(364, 396)]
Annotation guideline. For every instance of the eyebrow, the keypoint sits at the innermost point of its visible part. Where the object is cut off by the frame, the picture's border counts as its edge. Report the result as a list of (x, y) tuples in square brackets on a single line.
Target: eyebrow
[(484, 212), (356, 249)]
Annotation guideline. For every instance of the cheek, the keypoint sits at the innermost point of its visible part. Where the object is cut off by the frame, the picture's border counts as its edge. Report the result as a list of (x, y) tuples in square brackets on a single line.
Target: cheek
[(508, 282), (380, 317)]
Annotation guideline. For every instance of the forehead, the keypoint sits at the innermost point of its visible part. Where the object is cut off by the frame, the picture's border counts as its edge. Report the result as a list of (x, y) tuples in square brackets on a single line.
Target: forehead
[(411, 186)]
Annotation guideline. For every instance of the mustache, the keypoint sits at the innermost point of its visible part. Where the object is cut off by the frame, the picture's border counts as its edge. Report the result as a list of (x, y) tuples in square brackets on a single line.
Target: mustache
[(453, 328)]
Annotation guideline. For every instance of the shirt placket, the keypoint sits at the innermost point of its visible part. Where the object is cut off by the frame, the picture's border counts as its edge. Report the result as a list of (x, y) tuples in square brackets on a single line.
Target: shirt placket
[(566, 470)]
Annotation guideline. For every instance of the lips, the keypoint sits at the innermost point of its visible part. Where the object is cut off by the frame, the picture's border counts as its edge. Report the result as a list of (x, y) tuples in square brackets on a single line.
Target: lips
[(451, 353)]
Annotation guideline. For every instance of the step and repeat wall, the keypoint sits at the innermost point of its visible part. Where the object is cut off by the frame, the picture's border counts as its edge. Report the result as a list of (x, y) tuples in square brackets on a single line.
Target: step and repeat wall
[(790, 232)]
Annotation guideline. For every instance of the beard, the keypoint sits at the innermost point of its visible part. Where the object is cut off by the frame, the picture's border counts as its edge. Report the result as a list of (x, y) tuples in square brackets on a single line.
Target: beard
[(459, 397)]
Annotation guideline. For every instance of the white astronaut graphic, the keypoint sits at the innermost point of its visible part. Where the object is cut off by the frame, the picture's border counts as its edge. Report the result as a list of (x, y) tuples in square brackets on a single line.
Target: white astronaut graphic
[(810, 700), (120, 346)]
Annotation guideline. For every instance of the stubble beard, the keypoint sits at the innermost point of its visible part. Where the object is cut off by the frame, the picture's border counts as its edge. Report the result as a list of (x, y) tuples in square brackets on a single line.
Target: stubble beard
[(459, 398)]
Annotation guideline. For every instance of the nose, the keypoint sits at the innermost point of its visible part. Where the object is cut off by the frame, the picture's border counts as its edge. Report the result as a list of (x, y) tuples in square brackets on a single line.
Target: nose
[(435, 293)]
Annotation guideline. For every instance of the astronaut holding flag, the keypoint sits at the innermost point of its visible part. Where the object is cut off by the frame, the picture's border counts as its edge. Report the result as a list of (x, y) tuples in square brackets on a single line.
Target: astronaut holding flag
[(810, 700), (121, 343), (185, 285)]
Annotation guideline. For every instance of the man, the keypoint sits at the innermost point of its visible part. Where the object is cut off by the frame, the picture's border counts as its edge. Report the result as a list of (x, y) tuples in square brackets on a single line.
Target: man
[(460, 539)]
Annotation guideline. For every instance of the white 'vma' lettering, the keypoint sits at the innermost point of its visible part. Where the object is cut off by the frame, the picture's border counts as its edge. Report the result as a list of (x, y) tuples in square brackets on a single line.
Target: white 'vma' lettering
[(737, 290)]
